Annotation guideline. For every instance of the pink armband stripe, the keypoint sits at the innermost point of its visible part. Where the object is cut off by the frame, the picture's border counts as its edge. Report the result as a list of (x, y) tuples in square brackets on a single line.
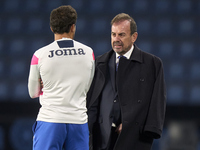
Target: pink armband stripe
[(34, 60), (93, 56)]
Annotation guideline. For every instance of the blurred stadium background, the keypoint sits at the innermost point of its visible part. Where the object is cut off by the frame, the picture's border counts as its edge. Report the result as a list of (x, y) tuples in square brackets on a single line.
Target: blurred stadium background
[(169, 29)]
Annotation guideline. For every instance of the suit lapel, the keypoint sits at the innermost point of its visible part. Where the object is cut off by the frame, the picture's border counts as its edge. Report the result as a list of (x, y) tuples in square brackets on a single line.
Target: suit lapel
[(136, 54), (112, 70)]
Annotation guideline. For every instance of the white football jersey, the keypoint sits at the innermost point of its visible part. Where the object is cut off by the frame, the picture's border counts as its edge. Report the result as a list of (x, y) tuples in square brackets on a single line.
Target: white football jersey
[(66, 68)]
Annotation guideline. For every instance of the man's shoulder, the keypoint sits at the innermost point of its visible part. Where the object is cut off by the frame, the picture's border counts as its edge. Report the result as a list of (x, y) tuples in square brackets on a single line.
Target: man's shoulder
[(149, 55), (81, 45), (104, 56)]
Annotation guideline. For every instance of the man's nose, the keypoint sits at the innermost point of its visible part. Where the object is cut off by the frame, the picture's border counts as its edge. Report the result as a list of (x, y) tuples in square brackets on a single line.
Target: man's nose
[(116, 38)]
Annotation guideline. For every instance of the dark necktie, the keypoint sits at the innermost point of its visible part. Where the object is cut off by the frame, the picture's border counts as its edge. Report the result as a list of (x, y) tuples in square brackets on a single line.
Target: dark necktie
[(116, 106), (117, 64)]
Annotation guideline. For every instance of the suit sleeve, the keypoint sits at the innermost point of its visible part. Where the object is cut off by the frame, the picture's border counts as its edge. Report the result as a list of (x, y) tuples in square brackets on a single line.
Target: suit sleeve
[(92, 110), (156, 114), (92, 98), (33, 80)]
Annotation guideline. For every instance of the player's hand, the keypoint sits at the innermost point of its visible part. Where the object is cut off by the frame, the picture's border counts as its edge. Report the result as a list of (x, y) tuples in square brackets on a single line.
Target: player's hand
[(41, 83)]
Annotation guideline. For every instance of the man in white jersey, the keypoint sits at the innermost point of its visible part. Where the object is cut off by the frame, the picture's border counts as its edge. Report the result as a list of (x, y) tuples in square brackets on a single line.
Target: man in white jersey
[(66, 68)]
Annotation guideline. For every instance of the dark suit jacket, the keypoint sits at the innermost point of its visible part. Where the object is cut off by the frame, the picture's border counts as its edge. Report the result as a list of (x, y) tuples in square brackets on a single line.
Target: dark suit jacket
[(142, 95)]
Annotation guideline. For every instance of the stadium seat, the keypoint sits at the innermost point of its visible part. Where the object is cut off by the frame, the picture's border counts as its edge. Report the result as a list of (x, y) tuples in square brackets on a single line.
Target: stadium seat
[(166, 49), (96, 6), (99, 26), (164, 26), (36, 43), (195, 71), (81, 26), (186, 26), (12, 5), (78, 5), (184, 6), (4, 90), (17, 47), (144, 26), (175, 94), (140, 6), (195, 95), (35, 25), (177, 71), (1, 21), (32, 6), (51, 4), (2, 67), (146, 46), (13, 25), (117, 6), (187, 50), (20, 134), (2, 50), (162, 6), (20, 91), (18, 69)]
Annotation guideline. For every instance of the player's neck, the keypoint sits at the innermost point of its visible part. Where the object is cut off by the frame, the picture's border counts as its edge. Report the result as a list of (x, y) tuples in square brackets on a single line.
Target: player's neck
[(64, 35)]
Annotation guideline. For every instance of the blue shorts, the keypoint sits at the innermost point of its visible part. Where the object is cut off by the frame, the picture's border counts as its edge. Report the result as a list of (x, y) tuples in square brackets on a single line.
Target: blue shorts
[(60, 136)]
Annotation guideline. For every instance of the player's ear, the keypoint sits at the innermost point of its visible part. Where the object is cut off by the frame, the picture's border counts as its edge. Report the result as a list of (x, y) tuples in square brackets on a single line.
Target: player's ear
[(73, 28)]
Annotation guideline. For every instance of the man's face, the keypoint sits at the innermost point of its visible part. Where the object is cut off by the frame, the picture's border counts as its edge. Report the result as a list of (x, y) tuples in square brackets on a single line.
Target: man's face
[(121, 38)]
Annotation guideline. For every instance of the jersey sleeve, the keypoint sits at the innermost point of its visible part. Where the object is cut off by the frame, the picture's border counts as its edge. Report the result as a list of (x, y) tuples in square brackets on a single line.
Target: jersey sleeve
[(92, 70), (34, 86)]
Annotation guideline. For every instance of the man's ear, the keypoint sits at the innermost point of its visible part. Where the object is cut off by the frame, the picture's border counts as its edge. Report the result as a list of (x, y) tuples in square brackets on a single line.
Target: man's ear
[(73, 28), (134, 37)]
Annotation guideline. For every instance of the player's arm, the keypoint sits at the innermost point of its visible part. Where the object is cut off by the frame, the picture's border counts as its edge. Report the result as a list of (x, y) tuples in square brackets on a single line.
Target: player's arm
[(92, 70), (34, 85)]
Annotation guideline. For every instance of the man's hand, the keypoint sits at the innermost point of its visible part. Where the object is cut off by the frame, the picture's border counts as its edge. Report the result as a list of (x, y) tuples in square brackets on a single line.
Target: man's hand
[(119, 129)]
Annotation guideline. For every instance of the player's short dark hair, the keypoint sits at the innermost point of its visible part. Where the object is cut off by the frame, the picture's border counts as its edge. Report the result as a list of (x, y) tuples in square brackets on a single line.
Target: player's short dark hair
[(123, 16), (62, 18)]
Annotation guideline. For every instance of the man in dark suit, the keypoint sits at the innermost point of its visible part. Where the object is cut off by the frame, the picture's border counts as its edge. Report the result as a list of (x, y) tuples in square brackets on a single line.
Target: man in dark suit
[(127, 99)]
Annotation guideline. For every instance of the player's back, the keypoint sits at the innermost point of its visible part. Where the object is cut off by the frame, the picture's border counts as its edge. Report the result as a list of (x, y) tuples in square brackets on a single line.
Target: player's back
[(66, 69)]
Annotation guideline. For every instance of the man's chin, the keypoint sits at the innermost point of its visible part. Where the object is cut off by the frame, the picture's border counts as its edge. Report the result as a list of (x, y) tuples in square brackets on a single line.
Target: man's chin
[(118, 51)]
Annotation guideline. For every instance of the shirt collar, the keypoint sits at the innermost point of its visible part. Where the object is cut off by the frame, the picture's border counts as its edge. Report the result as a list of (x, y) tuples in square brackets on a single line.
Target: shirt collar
[(64, 38), (127, 54)]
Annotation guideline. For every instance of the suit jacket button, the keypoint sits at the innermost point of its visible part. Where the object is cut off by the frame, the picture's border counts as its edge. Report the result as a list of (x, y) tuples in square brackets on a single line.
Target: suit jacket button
[(139, 101), (142, 79), (115, 101)]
